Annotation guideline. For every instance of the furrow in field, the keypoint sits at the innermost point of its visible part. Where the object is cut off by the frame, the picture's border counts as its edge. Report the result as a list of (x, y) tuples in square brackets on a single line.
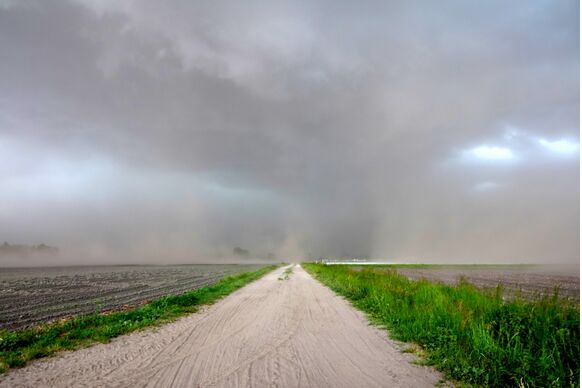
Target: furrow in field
[(97, 292)]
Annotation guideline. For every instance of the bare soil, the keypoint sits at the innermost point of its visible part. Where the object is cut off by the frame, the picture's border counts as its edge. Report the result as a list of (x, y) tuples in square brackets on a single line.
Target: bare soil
[(29, 296), (526, 282)]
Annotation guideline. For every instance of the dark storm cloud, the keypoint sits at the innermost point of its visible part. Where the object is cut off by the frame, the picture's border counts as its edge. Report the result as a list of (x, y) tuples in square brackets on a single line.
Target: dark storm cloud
[(146, 130)]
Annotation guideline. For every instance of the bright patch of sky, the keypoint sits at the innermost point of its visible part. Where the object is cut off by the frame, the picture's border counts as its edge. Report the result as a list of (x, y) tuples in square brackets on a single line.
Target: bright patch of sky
[(517, 143), (487, 152), (561, 146)]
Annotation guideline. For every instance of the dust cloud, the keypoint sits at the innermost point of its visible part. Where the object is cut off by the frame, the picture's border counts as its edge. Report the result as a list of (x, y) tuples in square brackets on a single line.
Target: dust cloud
[(174, 132)]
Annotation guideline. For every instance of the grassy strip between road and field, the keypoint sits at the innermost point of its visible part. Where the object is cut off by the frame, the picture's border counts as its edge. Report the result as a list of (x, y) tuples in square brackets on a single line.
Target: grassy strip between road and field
[(19, 347), (470, 334)]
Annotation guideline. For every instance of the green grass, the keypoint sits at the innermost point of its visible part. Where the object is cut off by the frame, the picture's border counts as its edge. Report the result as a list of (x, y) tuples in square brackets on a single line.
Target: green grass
[(19, 347), (450, 266), (470, 334), (287, 273)]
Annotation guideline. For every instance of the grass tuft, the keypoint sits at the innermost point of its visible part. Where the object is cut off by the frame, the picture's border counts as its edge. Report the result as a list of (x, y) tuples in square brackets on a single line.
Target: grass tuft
[(287, 273), (470, 334), (19, 347)]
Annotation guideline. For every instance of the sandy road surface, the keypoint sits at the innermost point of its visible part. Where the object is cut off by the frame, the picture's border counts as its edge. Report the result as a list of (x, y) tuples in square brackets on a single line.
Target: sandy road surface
[(271, 333)]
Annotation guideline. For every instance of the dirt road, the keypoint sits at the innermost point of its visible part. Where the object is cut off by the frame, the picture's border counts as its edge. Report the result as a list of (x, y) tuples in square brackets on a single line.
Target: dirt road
[(272, 333)]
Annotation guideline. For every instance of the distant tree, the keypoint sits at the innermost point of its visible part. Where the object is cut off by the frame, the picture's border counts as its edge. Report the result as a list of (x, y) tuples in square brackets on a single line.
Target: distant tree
[(240, 252), (26, 250)]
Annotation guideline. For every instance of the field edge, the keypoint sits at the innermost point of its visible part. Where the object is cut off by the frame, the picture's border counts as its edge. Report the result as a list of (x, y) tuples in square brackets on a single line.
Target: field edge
[(17, 348), (452, 329)]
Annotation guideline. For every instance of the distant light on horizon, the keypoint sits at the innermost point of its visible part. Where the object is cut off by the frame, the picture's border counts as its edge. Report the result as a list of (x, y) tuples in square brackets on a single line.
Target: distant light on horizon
[(486, 186), (492, 153), (561, 146)]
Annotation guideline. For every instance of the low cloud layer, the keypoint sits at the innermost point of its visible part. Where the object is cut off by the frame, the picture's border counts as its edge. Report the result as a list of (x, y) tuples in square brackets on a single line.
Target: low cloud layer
[(147, 131)]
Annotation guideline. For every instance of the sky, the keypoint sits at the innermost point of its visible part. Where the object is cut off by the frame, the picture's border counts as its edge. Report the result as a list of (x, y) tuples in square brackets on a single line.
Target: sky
[(174, 131)]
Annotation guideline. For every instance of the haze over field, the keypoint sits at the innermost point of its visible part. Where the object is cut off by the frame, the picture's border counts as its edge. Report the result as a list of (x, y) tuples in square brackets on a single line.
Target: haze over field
[(163, 132)]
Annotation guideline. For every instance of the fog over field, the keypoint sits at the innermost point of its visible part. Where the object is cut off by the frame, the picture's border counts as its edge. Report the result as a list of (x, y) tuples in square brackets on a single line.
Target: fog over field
[(175, 131)]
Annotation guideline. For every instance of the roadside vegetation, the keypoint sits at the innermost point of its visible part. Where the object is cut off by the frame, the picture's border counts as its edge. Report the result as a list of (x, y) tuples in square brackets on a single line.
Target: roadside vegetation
[(450, 266), (470, 334), (287, 273), (19, 347)]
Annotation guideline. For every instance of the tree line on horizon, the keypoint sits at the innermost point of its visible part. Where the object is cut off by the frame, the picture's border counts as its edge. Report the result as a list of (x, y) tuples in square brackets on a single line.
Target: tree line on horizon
[(25, 250)]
